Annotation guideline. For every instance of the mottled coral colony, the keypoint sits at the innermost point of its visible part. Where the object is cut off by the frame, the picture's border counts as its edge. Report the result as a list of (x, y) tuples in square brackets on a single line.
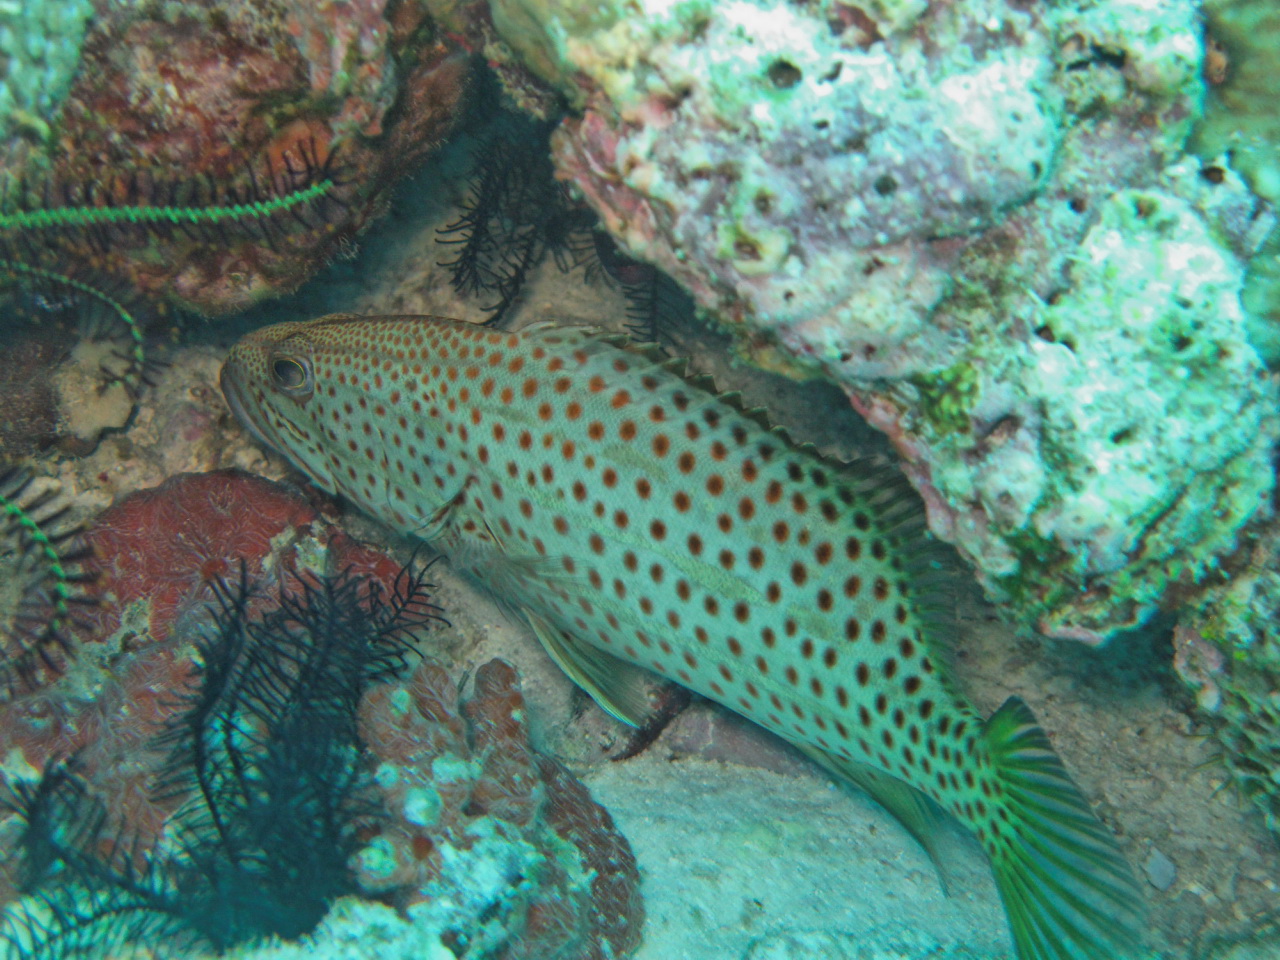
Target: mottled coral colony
[(1035, 244)]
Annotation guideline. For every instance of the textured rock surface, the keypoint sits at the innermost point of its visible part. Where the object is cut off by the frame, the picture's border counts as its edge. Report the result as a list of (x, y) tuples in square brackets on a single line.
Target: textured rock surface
[(1228, 650), (1241, 65), (227, 103), (978, 220), (39, 54), (496, 849)]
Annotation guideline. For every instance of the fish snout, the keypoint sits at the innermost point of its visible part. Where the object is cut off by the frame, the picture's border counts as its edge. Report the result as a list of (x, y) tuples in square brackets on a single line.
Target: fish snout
[(230, 379)]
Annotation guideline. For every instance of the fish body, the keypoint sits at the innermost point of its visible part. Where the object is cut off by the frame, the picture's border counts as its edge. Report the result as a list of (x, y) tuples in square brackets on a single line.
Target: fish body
[(635, 520)]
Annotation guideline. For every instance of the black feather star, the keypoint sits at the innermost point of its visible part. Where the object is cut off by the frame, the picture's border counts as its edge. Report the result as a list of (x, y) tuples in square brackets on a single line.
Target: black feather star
[(41, 566), (516, 215), (265, 766)]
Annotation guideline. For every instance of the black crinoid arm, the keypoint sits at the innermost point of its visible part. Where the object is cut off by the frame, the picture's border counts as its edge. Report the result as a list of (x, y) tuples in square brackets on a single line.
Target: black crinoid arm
[(262, 766), (41, 562), (516, 215)]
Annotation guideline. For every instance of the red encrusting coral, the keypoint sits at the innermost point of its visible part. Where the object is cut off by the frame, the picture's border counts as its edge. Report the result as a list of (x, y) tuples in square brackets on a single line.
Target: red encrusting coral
[(166, 544)]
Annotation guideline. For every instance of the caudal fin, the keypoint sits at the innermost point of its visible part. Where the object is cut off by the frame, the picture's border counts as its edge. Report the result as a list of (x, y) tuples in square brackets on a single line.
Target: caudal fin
[(1068, 891)]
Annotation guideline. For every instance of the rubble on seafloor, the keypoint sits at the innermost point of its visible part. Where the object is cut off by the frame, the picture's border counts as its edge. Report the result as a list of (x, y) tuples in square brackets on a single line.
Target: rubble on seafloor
[(163, 750), (981, 221)]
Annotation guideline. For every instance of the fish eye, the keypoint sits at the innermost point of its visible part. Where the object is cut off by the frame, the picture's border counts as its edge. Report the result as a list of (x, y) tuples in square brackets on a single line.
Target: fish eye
[(291, 375)]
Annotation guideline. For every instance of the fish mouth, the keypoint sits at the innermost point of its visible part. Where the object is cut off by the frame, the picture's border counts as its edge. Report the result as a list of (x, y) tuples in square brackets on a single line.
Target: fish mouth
[(231, 391)]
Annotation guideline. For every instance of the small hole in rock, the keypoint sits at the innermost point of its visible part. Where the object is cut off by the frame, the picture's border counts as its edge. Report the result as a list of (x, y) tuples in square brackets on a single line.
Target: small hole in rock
[(885, 185), (784, 75)]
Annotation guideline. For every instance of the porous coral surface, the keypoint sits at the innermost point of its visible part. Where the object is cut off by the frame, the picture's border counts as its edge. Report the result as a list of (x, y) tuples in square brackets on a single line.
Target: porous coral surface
[(495, 847), (40, 45), (944, 209)]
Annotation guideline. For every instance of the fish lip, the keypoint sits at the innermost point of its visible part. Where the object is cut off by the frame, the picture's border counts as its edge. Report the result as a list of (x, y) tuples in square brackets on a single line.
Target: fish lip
[(230, 391)]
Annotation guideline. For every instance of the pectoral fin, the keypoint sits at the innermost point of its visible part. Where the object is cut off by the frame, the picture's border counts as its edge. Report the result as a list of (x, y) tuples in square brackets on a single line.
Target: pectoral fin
[(617, 686)]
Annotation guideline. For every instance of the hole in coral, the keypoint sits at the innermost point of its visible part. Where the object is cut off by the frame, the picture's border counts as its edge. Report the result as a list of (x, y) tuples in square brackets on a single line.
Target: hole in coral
[(1144, 207), (783, 74), (856, 142), (1213, 175), (885, 185), (1123, 435)]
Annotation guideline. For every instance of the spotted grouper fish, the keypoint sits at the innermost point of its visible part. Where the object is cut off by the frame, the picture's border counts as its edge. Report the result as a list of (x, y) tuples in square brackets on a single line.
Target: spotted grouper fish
[(635, 520)]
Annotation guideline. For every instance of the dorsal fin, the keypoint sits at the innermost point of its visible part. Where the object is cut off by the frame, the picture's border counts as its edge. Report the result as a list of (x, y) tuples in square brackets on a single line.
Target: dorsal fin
[(701, 381), (677, 365), (759, 416), (732, 398)]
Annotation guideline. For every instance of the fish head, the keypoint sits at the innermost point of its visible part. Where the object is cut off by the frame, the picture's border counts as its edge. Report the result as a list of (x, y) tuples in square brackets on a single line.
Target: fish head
[(269, 381), (323, 393)]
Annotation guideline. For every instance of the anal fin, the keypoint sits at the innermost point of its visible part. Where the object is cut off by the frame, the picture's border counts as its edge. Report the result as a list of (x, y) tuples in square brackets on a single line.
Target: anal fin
[(919, 815)]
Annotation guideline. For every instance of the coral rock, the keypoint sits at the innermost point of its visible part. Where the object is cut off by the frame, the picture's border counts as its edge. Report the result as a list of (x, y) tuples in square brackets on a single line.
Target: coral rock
[(980, 221), (1227, 649), (162, 546), (499, 848), (227, 102)]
